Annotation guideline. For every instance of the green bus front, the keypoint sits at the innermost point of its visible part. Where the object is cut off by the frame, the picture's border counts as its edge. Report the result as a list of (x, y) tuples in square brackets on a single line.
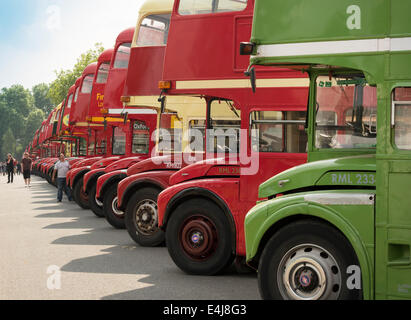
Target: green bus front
[(339, 227)]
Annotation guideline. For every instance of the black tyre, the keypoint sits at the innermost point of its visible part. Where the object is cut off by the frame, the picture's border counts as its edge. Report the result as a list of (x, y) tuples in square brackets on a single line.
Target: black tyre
[(80, 196), (307, 260), (95, 205), (113, 214), (141, 218), (199, 238)]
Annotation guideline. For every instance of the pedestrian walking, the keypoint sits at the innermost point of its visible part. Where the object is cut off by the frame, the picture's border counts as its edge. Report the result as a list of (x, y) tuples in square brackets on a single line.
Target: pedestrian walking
[(10, 168), (18, 168), (26, 164), (60, 169)]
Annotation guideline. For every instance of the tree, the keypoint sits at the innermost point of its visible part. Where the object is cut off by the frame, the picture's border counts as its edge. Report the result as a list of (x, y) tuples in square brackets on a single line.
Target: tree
[(16, 103), (16, 106), (34, 121), (66, 78), (17, 98), (17, 123), (8, 144), (3, 121), (41, 99), (19, 152)]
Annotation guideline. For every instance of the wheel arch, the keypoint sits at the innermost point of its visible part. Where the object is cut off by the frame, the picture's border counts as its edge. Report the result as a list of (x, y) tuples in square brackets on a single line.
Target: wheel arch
[(79, 176), (93, 180), (196, 193), (325, 215), (133, 187), (107, 184)]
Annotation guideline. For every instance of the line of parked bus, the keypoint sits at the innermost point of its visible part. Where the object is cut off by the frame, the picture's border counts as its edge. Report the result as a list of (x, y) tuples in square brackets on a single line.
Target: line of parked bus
[(168, 139)]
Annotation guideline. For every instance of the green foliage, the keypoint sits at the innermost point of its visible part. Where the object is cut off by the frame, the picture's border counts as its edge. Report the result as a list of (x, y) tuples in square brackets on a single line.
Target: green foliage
[(3, 119), (66, 78), (15, 103), (19, 152), (34, 121), (17, 98), (41, 99), (22, 112), (8, 144)]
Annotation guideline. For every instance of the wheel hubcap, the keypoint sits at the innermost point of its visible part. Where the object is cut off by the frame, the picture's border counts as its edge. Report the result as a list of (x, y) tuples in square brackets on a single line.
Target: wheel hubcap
[(309, 272), (117, 212), (99, 203), (146, 217), (199, 238)]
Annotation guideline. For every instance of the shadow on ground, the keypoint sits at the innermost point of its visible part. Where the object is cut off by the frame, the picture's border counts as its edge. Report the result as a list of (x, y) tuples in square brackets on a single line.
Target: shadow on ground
[(123, 256)]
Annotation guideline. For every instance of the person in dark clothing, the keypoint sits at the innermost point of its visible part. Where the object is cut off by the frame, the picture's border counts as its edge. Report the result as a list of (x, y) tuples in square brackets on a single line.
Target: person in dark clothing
[(10, 168), (26, 164)]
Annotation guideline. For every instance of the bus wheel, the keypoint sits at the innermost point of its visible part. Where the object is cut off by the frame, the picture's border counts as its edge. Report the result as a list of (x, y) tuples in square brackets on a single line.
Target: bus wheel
[(199, 238), (307, 260), (80, 196), (113, 214), (95, 205), (141, 218)]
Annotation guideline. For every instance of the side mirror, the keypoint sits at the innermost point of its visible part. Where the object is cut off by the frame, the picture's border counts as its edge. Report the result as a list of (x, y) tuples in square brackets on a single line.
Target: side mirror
[(253, 78), (163, 104)]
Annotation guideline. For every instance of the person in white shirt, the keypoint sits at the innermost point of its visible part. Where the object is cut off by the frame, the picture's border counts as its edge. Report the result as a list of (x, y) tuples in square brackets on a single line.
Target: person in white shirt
[(60, 169)]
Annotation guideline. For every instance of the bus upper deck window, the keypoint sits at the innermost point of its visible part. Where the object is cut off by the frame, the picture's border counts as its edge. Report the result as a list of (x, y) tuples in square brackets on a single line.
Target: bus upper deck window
[(122, 56), (87, 86), (154, 31), (70, 101), (189, 7), (76, 95), (103, 72)]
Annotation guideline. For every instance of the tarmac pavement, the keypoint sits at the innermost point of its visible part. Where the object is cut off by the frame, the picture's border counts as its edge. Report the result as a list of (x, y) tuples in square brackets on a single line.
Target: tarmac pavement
[(57, 251)]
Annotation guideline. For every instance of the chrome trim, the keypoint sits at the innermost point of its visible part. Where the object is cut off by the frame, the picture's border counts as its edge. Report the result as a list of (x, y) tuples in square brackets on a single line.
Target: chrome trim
[(347, 199)]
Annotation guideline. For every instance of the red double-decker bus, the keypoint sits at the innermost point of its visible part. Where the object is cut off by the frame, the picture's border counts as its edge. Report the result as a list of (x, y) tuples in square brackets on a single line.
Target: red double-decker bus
[(203, 211), (128, 131), (214, 73)]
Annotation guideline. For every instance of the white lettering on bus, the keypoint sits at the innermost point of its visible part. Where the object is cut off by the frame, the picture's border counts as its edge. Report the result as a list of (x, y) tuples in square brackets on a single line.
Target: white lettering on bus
[(354, 280), (354, 20)]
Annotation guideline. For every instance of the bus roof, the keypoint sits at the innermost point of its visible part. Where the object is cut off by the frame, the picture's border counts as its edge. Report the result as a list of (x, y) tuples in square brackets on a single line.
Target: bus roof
[(125, 35), (156, 6), (90, 69), (334, 33), (106, 55)]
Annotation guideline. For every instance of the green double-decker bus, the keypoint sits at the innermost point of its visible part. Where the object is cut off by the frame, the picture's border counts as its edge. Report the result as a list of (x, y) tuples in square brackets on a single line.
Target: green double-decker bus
[(339, 227)]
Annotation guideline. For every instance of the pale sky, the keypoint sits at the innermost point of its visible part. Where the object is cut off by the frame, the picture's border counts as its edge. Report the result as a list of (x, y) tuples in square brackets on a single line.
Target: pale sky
[(40, 36)]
